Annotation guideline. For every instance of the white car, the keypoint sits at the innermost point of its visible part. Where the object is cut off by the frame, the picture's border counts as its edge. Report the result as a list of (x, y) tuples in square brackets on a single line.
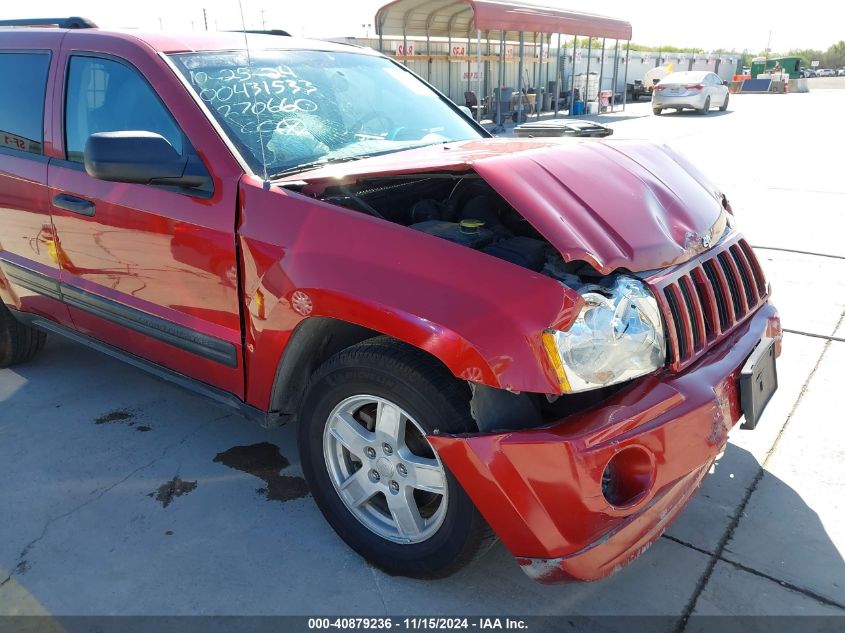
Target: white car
[(695, 89), (840, 72), (825, 72)]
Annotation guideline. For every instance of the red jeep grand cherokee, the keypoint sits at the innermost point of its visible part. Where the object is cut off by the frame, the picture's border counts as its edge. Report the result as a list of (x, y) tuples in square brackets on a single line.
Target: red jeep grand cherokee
[(546, 338)]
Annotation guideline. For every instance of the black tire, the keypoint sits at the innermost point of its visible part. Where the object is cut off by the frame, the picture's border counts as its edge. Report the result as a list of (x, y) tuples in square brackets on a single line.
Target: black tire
[(724, 106), (657, 111), (425, 389), (18, 342), (706, 108)]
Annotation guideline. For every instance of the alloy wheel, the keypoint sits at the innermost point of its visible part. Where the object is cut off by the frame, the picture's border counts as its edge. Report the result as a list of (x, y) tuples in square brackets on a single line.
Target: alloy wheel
[(384, 470)]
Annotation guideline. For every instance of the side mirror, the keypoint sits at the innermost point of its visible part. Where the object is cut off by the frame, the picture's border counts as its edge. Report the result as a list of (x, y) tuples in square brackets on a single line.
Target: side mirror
[(140, 157)]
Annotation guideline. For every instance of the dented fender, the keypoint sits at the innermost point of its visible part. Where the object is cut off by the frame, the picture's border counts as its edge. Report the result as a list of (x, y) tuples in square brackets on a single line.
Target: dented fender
[(302, 258)]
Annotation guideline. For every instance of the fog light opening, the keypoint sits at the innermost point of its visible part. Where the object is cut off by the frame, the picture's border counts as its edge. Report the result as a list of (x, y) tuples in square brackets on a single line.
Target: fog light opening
[(628, 477)]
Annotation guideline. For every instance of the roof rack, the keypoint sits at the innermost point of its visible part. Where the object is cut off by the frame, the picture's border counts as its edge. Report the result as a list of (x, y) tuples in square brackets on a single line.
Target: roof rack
[(62, 23)]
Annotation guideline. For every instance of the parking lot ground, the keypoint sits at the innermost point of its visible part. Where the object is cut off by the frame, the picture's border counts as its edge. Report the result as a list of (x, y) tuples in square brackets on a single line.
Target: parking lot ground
[(122, 494)]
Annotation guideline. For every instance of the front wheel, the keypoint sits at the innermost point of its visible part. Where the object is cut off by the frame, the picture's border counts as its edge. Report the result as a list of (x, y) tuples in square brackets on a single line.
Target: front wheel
[(18, 342), (373, 473)]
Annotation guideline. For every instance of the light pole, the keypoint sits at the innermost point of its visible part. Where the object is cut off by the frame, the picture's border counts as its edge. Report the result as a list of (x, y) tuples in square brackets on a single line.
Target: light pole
[(367, 28)]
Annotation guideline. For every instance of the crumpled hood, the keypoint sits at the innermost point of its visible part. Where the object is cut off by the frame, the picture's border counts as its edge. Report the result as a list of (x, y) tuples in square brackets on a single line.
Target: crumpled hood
[(614, 204)]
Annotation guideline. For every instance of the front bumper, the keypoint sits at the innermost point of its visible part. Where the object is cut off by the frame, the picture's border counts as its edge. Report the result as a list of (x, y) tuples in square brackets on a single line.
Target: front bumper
[(541, 489)]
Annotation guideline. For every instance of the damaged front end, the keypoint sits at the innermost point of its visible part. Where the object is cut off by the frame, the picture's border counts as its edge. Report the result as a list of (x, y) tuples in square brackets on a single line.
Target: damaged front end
[(580, 480), (582, 497), (617, 333)]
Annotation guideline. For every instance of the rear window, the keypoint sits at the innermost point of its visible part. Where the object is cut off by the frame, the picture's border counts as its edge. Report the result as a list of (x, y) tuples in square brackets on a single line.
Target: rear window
[(684, 78), (22, 100)]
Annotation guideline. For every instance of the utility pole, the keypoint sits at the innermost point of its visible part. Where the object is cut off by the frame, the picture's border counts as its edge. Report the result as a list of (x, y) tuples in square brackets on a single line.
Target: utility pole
[(769, 45), (205, 19), (160, 24), (263, 22)]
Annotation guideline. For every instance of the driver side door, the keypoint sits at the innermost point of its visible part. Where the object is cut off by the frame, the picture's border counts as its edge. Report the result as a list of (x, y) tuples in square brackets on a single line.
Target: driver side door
[(151, 270)]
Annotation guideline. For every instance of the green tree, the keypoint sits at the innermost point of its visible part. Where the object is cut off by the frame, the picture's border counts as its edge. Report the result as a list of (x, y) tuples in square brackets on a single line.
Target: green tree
[(834, 57), (666, 48), (807, 55)]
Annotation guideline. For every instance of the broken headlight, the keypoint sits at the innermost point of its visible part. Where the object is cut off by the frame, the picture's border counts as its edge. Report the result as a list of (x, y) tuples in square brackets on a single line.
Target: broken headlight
[(617, 336)]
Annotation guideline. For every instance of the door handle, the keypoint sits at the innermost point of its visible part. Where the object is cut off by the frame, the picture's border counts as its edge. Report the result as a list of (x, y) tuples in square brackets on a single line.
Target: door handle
[(73, 204)]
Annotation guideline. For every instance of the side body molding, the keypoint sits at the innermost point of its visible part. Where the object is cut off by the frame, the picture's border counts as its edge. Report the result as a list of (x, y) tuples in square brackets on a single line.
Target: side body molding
[(179, 336)]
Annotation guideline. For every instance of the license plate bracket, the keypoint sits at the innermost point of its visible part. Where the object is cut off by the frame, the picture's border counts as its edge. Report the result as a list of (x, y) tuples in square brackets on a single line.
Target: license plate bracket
[(758, 381)]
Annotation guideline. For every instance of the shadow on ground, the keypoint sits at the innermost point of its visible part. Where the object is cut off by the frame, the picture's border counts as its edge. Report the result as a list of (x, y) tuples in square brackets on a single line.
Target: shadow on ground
[(711, 113), (85, 531)]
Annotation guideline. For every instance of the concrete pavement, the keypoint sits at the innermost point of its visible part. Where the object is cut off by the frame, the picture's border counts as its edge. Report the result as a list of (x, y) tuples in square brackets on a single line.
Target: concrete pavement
[(122, 494)]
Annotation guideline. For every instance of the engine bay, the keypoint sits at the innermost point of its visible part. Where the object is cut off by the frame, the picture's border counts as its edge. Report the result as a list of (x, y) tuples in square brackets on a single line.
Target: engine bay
[(466, 210), (463, 209)]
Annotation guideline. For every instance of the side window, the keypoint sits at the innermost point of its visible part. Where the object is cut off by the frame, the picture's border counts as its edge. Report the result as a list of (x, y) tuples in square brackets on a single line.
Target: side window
[(107, 96), (22, 100)]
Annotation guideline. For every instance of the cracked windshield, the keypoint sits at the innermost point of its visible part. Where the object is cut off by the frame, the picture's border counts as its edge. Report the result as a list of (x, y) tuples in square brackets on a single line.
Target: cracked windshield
[(289, 110)]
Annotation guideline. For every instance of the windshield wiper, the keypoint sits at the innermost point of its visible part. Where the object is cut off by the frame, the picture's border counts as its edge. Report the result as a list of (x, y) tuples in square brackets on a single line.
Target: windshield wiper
[(320, 162), (330, 160)]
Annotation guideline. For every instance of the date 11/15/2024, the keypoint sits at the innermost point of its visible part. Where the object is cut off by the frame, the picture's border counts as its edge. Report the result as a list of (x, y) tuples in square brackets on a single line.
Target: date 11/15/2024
[(418, 623)]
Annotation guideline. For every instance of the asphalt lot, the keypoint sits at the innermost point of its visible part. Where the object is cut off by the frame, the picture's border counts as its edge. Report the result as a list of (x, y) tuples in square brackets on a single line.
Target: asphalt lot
[(122, 494)]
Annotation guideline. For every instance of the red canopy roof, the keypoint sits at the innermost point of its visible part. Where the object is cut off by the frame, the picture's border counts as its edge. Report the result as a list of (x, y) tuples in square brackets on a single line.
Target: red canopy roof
[(461, 18)]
